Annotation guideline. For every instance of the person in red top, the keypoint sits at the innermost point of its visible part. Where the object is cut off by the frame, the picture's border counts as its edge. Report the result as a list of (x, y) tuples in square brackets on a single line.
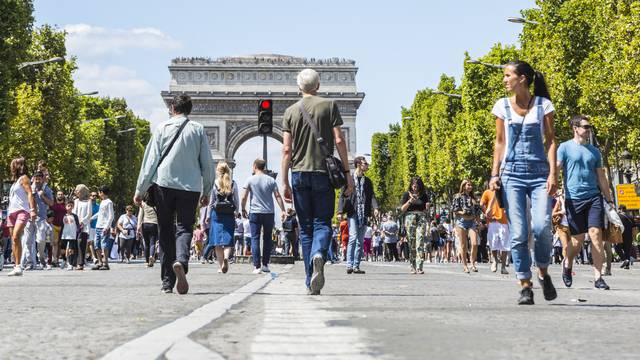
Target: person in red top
[(344, 235), (59, 211)]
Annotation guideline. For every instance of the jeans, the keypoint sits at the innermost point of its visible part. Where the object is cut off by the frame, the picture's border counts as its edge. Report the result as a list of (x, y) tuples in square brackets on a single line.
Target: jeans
[(528, 181), (265, 223), (314, 200), (354, 246), (176, 217), (150, 236), (29, 249)]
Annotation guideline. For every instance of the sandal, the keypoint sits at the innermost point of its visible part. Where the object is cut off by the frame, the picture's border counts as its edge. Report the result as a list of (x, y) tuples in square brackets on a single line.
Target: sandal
[(421, 272), (474, 268), (466, 270)]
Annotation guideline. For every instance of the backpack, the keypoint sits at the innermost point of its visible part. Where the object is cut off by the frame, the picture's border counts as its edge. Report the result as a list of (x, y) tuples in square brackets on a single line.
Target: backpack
[(224, 203)]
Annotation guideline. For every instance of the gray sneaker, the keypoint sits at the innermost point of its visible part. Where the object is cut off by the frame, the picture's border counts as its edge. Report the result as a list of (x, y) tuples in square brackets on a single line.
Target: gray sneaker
[(317, 279)]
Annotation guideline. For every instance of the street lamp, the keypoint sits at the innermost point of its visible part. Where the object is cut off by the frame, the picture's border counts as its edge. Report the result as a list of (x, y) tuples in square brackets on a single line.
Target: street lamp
[(519, 20), (105, 119), (88, 93), (407, 118), (127, 130), (477, 62), (31, 63), (627, 160), (457, 96)]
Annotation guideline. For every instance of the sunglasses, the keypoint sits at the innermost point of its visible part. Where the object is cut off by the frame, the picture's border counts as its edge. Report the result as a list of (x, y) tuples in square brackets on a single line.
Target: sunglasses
[(586, 127)]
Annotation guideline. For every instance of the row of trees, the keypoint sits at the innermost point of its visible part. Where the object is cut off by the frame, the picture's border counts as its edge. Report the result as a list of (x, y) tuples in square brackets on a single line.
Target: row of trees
[(43, 116), (589, 52)]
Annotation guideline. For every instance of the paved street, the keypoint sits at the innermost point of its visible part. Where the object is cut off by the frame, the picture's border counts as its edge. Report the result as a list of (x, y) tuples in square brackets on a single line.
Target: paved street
[(386, 314)]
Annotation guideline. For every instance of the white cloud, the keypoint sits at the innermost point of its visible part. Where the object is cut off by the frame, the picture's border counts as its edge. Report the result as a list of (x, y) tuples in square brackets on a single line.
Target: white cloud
[(118, 81), (95, 41)]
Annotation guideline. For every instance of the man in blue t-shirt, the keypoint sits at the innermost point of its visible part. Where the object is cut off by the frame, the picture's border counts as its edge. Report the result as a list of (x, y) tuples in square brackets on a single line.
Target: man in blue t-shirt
[(585, 185)]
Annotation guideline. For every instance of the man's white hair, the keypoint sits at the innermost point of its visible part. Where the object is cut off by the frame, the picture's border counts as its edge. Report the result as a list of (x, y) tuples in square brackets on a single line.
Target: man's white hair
[(308, 80)]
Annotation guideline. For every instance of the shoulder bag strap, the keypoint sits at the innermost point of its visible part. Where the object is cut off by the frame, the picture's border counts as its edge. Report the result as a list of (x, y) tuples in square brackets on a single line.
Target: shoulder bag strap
[(166, 152), (314, 129)]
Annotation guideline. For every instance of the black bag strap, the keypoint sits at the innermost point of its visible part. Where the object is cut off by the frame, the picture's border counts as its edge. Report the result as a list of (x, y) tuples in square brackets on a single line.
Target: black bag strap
[(173, 141), (321, 141)]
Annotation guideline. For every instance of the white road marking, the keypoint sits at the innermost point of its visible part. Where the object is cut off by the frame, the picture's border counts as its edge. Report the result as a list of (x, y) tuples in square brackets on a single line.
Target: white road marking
[(155, 343), (296, 325)]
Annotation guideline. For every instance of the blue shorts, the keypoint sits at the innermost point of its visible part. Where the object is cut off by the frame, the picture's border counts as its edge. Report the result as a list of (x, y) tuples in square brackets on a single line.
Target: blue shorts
[(103, 241), (584, 214), (465, 224)]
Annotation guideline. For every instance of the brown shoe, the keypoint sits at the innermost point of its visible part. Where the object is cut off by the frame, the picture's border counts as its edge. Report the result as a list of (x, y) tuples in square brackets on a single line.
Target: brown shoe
[(182, 286)]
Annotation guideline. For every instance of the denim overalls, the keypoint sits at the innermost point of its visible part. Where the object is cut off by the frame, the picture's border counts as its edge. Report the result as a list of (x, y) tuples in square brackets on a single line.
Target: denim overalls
[(526, 170)]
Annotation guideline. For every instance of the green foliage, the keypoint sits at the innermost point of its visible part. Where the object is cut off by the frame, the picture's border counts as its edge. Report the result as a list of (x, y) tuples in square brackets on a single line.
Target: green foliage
[(589, 53), (16, 17), (50, 123)]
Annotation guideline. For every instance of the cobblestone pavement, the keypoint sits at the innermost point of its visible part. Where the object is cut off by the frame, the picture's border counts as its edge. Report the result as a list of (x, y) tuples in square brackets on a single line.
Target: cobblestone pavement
[(384, 314)]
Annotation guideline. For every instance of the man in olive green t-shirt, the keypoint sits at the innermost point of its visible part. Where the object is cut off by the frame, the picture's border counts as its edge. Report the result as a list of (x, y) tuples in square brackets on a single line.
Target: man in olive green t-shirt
[(312, 190)]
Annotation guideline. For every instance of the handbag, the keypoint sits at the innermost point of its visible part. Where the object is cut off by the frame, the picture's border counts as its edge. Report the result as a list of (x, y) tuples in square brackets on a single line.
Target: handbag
[(224, 205), (333, 165), (499, 192), (149, 196)]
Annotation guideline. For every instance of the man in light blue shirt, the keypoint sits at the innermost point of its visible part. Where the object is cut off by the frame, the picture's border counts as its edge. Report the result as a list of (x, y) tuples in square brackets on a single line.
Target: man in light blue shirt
[(184, 176), (585, 185), (263, 189)]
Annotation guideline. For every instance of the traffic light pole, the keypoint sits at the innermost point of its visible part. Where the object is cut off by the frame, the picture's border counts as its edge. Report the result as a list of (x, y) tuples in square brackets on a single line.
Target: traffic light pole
[(264, 151)]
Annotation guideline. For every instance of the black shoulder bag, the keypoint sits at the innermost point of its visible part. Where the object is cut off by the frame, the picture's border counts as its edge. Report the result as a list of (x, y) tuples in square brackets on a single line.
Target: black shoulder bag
[(149, 196), (333, 165), (498, 193)]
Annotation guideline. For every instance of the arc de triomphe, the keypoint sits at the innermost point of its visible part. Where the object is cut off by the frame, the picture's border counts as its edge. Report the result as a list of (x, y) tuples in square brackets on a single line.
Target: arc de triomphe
[(226, 91)]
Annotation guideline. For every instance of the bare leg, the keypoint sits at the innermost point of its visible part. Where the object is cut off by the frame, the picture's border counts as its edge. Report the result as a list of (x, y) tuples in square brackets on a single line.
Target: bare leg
[(16, 241), (597, 251), (474, 247), (462, 237)]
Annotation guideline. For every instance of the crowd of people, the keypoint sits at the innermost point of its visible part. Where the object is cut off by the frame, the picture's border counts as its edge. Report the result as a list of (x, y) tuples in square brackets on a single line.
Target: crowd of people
[(521, 216)]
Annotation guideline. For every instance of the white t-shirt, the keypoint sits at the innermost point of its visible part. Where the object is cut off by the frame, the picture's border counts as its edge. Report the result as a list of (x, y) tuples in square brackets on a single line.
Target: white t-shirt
[(105, 214), (129, 225), (531, 117), (368, 232), (84, 211), (70, 229)]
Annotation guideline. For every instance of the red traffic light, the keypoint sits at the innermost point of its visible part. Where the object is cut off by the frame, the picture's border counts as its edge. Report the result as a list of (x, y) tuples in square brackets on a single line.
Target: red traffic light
[(265, 104)]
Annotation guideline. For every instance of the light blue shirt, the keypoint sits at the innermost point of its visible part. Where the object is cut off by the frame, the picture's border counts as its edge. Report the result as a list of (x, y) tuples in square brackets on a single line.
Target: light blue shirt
[(188, 166), (261, 187), (579, 164)]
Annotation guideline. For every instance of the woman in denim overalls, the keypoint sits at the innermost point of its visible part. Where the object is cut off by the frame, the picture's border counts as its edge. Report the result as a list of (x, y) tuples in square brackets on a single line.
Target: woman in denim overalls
[(524, 165)]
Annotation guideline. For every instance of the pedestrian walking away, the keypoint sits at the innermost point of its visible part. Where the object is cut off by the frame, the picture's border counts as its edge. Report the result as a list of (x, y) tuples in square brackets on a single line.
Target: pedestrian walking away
[(223, 206), (497, 231), (310, 189), (148, 229), (261, 188), (585, 185), (177, 169), (524, 167)]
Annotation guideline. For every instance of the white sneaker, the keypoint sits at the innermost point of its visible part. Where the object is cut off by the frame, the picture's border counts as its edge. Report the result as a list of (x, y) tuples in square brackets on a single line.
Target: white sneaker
[(49, 267), (17, 271), (265, 268), (69, 267), (257, 271)]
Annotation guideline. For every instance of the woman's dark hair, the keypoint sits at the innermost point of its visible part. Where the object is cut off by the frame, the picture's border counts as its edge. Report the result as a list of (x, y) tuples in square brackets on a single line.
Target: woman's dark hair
[(417, 180), (182, 104), (533, 77), (19, 168), (105, 189)]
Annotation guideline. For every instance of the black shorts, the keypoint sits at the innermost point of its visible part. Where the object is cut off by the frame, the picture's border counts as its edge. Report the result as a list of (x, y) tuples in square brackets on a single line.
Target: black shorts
[(70, 243), (585, 214)]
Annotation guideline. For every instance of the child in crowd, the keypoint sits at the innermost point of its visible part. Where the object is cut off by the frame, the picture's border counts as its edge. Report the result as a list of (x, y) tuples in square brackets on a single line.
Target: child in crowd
[(377, 246), (69, 235), (198, 242)]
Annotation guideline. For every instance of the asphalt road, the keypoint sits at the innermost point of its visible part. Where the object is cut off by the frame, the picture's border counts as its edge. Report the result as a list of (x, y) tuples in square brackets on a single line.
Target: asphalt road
[(386, 313)]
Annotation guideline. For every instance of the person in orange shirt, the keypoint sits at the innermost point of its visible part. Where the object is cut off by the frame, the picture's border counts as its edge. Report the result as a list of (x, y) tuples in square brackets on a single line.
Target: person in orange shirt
[(498, 230), (344, 235)]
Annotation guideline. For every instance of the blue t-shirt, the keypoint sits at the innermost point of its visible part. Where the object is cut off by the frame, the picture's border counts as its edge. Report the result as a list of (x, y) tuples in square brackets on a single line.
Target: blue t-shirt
[(95, 208), (262, 187), (579, 164), (42, 206)]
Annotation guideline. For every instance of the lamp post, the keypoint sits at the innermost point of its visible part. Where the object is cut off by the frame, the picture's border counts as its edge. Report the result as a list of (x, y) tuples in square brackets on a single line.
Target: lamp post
[(127, 130), (88, 93), (39, 62), (627, 160), (456, 96), (477, 62), (105, 119), (519, 20)]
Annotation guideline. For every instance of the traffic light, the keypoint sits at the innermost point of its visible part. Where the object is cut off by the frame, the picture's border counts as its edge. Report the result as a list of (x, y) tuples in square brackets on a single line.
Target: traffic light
[(265, 117)]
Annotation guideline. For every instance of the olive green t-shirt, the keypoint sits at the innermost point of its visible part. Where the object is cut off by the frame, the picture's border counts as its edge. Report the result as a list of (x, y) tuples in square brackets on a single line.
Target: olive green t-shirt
[(306, 153)]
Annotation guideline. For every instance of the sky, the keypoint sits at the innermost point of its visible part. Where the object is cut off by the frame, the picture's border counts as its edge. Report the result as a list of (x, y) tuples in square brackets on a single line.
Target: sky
[(123, 48)]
